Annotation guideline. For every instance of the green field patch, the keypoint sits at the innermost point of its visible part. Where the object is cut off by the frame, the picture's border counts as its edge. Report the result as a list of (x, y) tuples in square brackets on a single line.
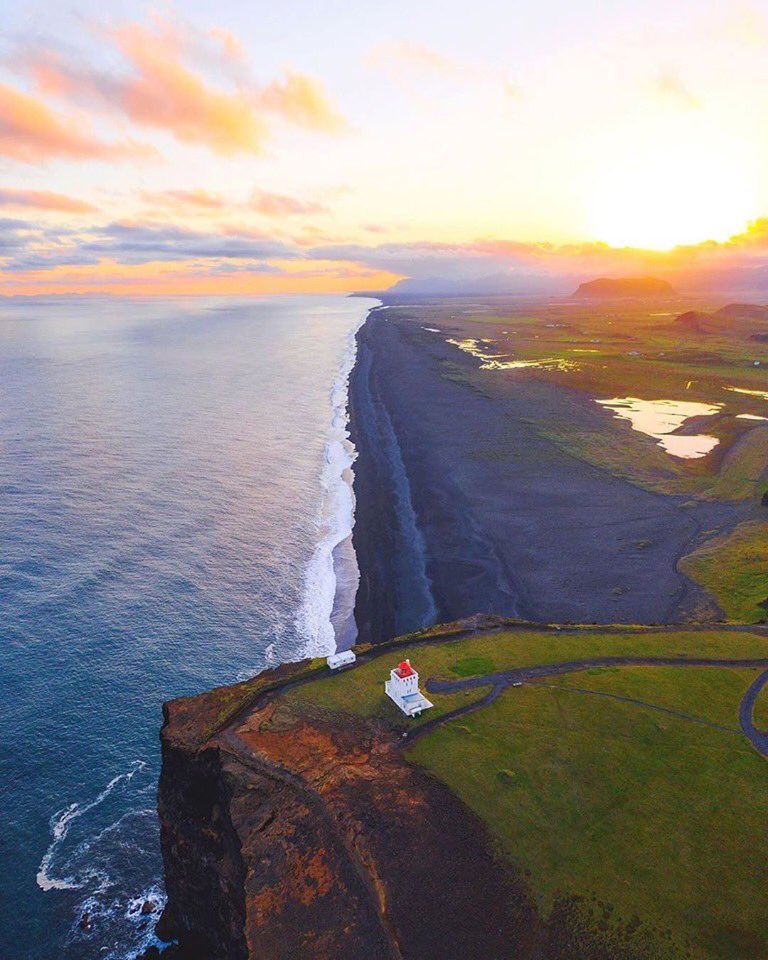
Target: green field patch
[(651, 814), (472, 666), (709, 694), (734, 568)]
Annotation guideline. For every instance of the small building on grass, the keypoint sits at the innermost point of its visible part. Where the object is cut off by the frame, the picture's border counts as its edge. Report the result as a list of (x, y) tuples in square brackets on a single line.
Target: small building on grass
[(403, 688)]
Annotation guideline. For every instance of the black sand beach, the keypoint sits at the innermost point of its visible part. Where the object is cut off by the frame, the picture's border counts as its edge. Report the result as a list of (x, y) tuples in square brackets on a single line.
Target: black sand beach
[(463, 507)]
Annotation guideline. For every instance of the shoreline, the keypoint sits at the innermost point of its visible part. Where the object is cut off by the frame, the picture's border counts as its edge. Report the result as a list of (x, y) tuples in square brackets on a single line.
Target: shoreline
[(326, 615), (395, 593), (462, 507)]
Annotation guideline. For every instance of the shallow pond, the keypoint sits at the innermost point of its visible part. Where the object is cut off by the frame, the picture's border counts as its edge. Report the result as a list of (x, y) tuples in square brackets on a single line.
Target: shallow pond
[(505, 361), (660, 418)]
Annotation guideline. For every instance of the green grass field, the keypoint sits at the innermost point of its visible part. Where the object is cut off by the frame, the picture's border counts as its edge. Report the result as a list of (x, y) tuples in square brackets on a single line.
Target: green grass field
[(734, 568), (660, 817)]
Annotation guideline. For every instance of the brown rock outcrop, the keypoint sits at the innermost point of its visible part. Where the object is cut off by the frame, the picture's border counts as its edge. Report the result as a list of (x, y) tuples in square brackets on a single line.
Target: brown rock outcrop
[(290, 836)]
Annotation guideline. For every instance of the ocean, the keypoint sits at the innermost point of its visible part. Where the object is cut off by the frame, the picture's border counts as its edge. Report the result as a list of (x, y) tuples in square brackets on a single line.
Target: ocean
[(175, 513)]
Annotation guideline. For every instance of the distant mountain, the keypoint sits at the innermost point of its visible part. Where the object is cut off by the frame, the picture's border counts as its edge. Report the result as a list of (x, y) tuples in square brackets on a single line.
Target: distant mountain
[(625, 287), (495, 284)]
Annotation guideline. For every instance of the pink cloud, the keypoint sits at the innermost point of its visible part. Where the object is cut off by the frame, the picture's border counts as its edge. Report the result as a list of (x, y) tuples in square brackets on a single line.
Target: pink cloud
[(32, 132), (42, 200), (162, 90), (167, 95), (280, 205)]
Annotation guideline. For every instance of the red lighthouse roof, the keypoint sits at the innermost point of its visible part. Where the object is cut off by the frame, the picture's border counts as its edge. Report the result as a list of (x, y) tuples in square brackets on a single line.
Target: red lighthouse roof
[(404, 669)]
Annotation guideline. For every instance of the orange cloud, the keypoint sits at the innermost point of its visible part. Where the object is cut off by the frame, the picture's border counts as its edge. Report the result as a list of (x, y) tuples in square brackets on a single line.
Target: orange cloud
[(302, 101), (200, 199), (43, 200), (30, 131), (167, 95), (164, 91)]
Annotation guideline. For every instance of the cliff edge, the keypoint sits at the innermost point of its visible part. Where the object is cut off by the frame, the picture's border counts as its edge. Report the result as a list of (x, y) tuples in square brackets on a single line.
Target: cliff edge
[(287, 833), (304, 816)]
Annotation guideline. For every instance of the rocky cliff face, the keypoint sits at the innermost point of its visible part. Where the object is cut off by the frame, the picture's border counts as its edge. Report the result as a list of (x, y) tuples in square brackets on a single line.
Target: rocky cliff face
[(288, 835)]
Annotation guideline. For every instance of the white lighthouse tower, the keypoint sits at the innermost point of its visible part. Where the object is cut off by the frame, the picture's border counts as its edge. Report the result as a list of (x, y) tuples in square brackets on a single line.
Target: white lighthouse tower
[(403, 688)]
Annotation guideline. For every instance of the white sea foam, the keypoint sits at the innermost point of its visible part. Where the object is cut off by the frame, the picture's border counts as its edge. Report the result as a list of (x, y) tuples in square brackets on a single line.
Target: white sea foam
[(60, 824), (326, 611)]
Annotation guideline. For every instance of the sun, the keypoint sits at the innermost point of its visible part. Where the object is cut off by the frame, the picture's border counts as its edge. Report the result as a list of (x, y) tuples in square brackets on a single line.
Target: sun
[(678, 194)]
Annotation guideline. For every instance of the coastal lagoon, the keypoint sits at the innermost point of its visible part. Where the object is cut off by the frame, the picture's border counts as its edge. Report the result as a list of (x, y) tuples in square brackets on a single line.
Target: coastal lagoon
[(175, 477)]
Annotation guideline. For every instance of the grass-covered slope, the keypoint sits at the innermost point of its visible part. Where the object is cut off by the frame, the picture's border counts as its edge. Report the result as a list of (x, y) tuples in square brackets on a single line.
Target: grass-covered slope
[(734, 567), (626, 794)]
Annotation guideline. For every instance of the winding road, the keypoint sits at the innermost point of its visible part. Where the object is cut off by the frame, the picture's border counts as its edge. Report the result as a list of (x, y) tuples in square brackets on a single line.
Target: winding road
[(758, 738), (498, 682)]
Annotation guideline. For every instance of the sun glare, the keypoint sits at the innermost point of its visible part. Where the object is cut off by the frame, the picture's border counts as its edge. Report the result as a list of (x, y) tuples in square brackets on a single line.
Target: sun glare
[(679, 195)]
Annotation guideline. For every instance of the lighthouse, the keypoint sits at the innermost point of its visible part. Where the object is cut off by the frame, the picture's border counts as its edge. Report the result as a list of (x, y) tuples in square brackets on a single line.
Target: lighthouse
[(403, 688)]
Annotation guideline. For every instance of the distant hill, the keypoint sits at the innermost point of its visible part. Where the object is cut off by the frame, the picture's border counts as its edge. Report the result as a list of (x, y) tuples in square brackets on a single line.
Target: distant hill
[(722, 320), (695, 321), (625, 287), (745, 311)]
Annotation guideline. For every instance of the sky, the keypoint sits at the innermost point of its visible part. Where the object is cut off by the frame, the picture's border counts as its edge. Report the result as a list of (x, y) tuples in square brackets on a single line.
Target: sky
[(244, 147)]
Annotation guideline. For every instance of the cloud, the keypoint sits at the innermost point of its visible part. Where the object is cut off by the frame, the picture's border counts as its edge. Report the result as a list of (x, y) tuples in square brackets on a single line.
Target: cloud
[(280, 205), (514, 267), (174, 199), (504, 266), (43, 200), (167, 95), (163, 87), (145, 243), (12, 235), (273, 205), (302, 101), (30, 131), (755, 235)]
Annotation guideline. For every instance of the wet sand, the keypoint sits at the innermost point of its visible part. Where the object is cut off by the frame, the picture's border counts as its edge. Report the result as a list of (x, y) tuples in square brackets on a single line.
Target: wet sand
[(463, 508)]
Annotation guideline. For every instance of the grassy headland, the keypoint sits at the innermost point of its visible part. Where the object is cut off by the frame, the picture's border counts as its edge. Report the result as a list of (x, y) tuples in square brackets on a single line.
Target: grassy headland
[(627, 794)]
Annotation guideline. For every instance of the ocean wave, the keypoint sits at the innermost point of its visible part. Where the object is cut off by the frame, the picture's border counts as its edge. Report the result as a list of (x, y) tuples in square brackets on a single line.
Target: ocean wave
[(331, 567), (60, 825), (102, 852)]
